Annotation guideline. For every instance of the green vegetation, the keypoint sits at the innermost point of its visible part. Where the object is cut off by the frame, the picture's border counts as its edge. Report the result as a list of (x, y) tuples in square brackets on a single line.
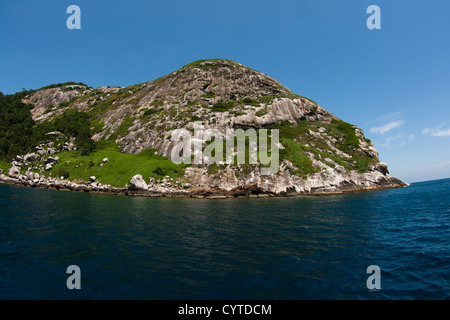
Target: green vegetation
[(262, 112), (348, 131), (268, 99), (223, 106), (4, 165), (60, 85), (157, 103), (294, 152), (122, 130), (250, 102), (149, 112), (298, 140), (214, 168), (17, 128), (206, 64), (120, 167), (19, 133), (76, 124)]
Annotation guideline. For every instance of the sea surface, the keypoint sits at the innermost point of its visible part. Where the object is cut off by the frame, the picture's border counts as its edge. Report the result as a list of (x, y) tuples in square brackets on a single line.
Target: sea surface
[(268, 248)]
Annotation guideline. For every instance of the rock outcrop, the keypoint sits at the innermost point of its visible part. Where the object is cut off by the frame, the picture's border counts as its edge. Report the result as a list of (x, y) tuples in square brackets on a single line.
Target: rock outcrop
[(319, 153), (137, 183)]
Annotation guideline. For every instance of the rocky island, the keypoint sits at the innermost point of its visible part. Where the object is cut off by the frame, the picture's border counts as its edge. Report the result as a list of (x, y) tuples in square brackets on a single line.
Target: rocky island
[(119, 140)]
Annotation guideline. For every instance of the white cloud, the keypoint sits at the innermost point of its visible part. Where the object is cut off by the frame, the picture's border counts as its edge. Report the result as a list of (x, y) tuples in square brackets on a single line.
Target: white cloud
[(387, 127), (388, 117), (437, 132), (390, 139)]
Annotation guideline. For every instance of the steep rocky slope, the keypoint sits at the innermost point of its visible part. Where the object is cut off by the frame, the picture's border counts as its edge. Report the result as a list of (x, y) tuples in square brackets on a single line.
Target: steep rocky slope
[(319, 153)]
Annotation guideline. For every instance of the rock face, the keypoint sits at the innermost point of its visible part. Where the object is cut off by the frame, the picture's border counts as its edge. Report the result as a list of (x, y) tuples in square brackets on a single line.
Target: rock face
[(319, 153), (31, 157), (52, 97), (137, 183), (13, 172)]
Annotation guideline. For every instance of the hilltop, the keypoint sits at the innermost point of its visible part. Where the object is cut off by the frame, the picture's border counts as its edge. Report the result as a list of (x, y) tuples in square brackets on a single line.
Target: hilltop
[(132, 128)]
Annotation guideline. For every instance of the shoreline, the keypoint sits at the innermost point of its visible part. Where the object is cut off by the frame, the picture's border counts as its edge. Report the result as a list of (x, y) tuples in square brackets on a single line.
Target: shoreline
[(249, 191)]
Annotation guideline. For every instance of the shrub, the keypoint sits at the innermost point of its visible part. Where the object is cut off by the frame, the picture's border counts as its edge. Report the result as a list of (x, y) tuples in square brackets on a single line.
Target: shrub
[(222, 106), (160, 172)]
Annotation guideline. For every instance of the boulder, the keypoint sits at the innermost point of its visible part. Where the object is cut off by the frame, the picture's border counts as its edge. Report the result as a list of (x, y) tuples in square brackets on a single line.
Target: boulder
[(52, 160), (68, 146), (92, 178), (137, 183), (14, 172), (31, 157), (48, 166), (42, 152), (16, 163), (105, 160), (54, 133), (381, 167)]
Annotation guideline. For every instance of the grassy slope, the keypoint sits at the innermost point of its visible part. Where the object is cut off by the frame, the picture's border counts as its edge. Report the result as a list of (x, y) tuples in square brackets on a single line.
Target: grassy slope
[(5, 166), (118, 170), (297, 141)]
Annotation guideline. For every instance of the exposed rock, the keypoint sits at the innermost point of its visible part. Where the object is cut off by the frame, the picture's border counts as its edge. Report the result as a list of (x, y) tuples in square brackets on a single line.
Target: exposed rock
[(224, 95), (16, 163), (52, 160), (41, 151), (30, 157), (14, 172), (50, 98), (382, 167), (54, 133), (137, 183), (68, 146), (52, 151), (92, 178)]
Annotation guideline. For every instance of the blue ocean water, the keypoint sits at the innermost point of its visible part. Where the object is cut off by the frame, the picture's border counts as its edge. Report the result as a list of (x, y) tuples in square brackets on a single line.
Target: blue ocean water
[(274, 248)]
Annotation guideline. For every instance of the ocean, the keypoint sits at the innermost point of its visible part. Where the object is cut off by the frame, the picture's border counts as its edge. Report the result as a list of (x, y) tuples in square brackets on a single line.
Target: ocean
[(289, 248)]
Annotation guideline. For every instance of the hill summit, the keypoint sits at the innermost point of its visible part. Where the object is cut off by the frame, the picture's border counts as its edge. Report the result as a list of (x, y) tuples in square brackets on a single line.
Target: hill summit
[(318, 152)]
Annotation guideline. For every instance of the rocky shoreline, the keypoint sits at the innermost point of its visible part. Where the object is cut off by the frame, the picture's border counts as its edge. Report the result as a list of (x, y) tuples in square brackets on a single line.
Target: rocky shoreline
[(135, 188), (29, 170)]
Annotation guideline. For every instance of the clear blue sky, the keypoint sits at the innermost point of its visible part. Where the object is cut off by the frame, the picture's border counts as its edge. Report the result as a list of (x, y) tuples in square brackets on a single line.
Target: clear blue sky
[(394, 83)]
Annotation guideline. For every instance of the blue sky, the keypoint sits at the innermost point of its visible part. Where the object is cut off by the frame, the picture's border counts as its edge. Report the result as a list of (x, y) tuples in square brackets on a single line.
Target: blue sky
[(394, 83)]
